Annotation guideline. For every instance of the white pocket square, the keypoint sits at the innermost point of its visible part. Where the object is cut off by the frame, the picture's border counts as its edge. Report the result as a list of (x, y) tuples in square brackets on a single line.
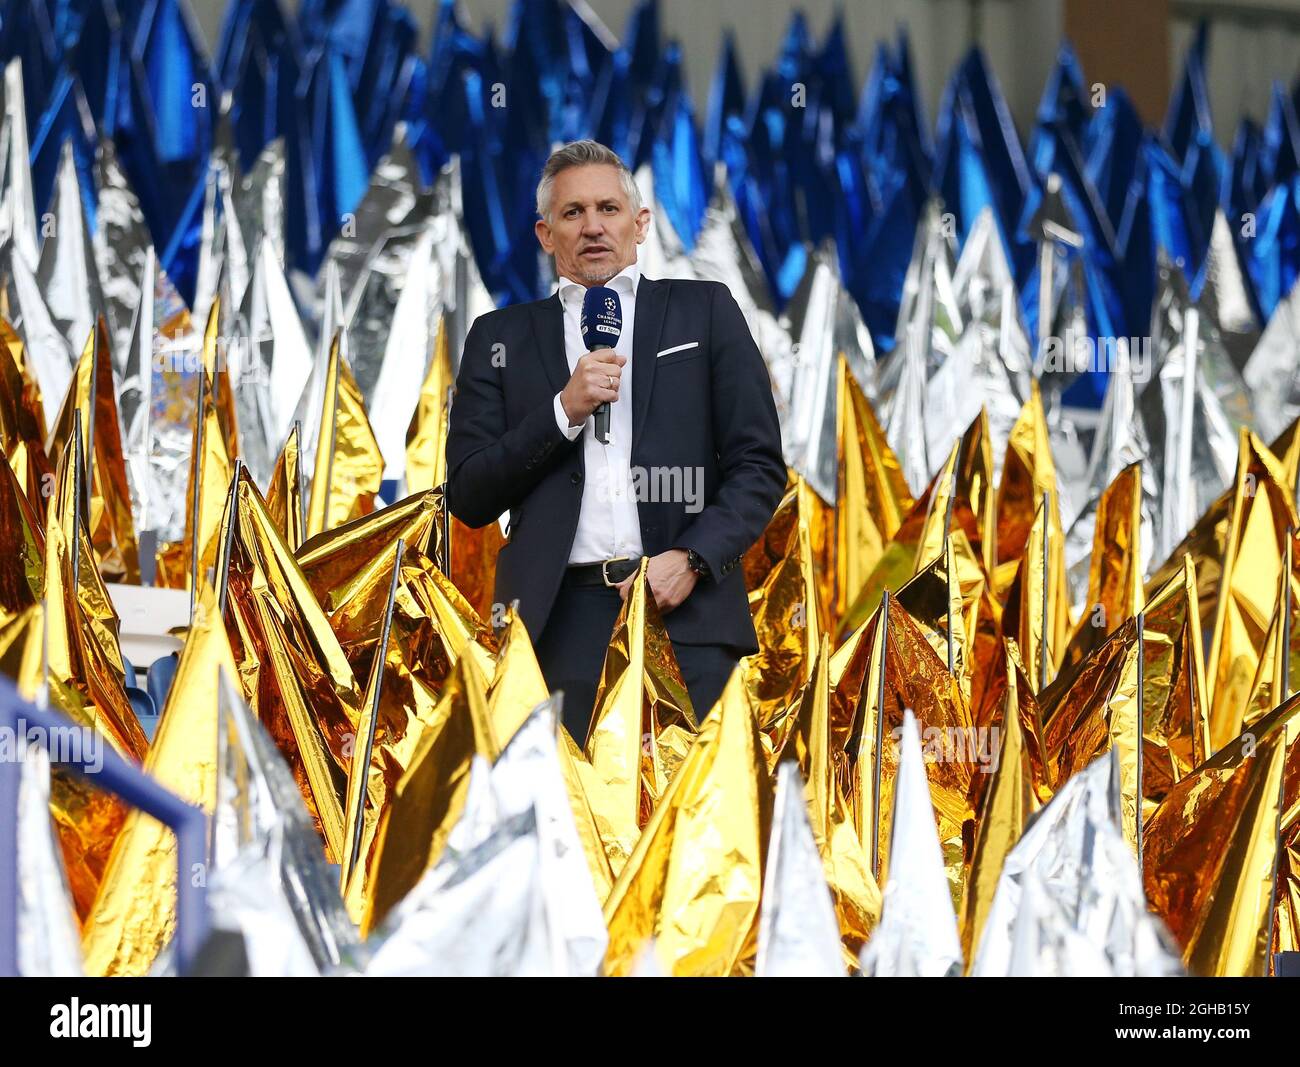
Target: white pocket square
[(677, 348)]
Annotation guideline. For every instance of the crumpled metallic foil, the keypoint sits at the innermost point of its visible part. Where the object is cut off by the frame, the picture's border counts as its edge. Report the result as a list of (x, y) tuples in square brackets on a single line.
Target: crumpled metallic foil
[(377, 257), (788, 600), (310, 404), (990, 367), (1028, 475), (22, 423), (1191, 408), (933, 598), (348, 467), (478, 912), (1227, 302), (917, 934), (66, 653), (905, 674), (92, 396), (427, 802), (1004, 800), (642, 725), (723, 253), (929, 299), (1175, 700), (663, 253), (1118, 442), (1270, 371), (1212, 848), (157, 403), (854, 892), (798, 932), (17, 210), (49, 941), (1096, 706), (270, 360), (83, 661), (22, 546), (556, 929), (285, 501), (426, 437), (291, 666), (409, 348), (871, 494), (49, 359), (692, 885), (1278, 673), (1237, 547), (399, 704), (260, 203), (269, 879), (121, 244), (826, 327), (134, 912), (904, 412), (224, 251), (188, 563), (464, 296), (435, 623), (1070, 899), (66, 272)]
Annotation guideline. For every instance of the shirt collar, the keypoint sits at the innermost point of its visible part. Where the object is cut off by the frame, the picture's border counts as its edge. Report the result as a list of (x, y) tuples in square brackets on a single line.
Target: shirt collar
[(625, 282)]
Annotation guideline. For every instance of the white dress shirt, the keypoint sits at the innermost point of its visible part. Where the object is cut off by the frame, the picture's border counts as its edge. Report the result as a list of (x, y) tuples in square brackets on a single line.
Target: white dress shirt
[(608, 524)]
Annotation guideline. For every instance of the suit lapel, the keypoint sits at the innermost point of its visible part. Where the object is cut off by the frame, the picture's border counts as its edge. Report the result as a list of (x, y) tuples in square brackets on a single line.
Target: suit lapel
[(548, 324), (651, 303)]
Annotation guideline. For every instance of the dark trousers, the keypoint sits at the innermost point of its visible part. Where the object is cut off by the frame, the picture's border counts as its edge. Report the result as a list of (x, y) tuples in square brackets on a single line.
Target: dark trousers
[(571, 653)]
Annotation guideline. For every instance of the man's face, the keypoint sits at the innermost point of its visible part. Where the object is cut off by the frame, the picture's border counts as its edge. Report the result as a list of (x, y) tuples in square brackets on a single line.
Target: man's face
[(592, 232)]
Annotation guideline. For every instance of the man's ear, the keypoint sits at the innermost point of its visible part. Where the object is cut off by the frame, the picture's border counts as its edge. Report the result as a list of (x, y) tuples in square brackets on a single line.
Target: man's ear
[(642, 224), (543, 231)]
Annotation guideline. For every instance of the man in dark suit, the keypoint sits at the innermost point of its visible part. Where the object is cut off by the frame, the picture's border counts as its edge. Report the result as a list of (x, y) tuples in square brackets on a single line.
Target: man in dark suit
[(690, 475)]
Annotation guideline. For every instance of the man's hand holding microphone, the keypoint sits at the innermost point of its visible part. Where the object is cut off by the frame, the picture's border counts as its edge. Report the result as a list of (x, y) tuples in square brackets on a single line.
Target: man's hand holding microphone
[(594, 381)]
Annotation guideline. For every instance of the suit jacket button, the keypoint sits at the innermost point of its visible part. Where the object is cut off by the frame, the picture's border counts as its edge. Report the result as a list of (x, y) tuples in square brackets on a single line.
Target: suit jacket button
[(576, 477)]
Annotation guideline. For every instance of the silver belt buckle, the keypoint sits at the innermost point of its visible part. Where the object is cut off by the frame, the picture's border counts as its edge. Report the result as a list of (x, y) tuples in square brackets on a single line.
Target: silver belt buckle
[(604, 570)]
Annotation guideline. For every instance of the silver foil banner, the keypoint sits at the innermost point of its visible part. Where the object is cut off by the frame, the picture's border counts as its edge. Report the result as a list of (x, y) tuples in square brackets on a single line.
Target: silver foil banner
[(512, 893), (798, 933), (49, 943), (270, 881), (824, 323), (1070, 900), (67, 273), (917, 935)]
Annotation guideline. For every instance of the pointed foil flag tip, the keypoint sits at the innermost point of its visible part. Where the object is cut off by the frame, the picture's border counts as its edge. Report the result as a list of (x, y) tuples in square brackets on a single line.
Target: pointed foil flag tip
[(270, 880), (1071, 873), (798, 932), (917, 935)]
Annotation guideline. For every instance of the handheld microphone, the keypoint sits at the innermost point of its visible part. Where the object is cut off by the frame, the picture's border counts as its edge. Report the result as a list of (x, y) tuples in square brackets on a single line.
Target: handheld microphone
[(602, 323)]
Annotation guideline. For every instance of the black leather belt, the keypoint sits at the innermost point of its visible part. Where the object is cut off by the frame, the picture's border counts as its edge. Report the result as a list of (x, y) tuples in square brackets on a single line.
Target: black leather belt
[(608, 572)]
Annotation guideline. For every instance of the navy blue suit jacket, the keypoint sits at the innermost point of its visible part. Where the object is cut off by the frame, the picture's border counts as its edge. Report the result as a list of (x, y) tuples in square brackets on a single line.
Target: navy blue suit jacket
[(708, 408)]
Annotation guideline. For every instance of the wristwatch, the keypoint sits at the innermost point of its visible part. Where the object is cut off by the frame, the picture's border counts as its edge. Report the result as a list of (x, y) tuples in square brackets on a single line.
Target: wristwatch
[(697, 563)]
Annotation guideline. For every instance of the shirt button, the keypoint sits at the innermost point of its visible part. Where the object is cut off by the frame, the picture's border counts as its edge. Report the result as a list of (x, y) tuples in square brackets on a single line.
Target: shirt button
[(576, 477)]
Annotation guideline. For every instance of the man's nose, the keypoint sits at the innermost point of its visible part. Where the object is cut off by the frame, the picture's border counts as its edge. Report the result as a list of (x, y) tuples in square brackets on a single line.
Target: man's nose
[(592, 224)]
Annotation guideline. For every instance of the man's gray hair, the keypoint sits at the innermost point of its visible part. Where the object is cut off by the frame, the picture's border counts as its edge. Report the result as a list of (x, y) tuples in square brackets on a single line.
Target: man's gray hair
[(583, 154)]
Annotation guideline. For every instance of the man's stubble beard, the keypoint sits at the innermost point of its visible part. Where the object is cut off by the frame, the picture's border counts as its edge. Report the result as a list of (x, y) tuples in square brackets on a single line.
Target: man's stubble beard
[(599, 277)]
